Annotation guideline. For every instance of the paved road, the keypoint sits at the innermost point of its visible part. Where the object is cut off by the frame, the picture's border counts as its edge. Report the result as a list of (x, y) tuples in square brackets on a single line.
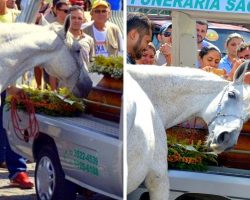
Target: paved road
[(12, 193)]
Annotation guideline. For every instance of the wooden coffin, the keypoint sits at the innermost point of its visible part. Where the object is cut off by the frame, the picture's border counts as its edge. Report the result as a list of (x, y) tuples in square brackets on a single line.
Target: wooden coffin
[(238, 157), (104, 100)]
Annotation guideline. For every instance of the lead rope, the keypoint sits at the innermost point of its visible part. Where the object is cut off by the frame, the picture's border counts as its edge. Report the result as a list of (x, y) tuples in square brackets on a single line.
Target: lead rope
[(32, 129)]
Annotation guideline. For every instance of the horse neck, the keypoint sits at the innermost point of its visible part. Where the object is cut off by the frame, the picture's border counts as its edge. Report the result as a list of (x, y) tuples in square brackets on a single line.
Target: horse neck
[(178, 93), (25, 46)]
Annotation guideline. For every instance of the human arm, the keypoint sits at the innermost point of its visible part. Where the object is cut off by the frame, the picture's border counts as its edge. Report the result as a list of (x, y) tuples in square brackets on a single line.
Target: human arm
[(166, 51), (236, 63), (217, 71)]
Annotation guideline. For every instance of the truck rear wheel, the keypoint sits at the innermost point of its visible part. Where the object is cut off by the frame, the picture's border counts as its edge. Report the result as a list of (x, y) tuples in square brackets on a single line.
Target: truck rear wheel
[(145, 196), (50, 180)]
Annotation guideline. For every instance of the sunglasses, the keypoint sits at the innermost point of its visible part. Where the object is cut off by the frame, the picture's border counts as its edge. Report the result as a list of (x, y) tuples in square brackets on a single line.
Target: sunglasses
[(167, 34), (66, 11), (100, 11)]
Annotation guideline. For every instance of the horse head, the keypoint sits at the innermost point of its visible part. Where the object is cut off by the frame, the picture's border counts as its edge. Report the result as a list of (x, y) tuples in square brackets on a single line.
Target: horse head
[(226, 114), (26, 46), (76, 76), (83, 84)]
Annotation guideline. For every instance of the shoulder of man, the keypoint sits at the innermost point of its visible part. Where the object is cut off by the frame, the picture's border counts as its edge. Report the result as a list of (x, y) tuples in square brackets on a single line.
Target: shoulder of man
[(88, 37), (112, 25), (206, 44), (87, 25)]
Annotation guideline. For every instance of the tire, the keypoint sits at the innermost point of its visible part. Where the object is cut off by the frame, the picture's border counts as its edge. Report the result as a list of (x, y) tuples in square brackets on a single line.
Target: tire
[(145, 196), (50, 180)]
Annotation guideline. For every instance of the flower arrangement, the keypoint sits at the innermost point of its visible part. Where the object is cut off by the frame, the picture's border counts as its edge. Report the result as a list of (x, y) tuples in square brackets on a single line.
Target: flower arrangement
[(54, 103), (189, 153), (112, 66)]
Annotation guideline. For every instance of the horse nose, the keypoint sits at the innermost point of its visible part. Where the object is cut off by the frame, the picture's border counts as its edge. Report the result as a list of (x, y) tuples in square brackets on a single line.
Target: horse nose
[(221, 138)]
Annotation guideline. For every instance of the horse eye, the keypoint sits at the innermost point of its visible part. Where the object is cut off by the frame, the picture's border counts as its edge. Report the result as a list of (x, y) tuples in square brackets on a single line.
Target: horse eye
[(232, 95), (78, 51)]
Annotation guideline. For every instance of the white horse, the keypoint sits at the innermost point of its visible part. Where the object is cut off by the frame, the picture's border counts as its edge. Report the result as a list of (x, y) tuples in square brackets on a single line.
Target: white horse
[(24, 46), (160, 97)]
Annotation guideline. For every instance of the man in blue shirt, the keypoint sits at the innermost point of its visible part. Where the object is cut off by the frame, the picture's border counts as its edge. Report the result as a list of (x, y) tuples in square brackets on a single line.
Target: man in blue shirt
[(201, 30)]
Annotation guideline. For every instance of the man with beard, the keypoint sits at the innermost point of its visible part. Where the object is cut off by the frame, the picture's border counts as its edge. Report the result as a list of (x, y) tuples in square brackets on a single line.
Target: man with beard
[(201, 29), (139, 34)]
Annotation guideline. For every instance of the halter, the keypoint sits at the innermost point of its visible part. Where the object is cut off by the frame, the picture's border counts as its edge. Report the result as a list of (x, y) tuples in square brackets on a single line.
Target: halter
[(219, 110)]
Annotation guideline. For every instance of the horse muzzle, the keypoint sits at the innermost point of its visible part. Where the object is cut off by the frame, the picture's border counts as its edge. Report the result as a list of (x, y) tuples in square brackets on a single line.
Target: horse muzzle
[(224, 141)]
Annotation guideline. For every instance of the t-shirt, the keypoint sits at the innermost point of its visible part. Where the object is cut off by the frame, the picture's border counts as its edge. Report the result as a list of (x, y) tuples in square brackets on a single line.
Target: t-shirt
[(10, 16), (100, 38), (226, 64)]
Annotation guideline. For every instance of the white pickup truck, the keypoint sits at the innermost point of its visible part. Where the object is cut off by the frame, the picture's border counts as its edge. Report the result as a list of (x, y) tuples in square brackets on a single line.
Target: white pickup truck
[(217, 183), (82, 151)]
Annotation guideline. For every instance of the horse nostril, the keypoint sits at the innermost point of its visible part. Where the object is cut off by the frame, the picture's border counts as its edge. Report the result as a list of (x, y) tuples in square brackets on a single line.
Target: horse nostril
[(221, 137)]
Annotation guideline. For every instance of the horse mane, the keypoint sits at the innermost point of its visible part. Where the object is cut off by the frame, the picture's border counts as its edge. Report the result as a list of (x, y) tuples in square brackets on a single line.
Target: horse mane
[(20, 34), (179, 77)]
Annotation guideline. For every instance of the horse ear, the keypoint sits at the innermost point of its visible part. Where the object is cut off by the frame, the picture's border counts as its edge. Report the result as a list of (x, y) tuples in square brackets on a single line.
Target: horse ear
[(240, 72), (66, 24), (69, 40), (43, 21)]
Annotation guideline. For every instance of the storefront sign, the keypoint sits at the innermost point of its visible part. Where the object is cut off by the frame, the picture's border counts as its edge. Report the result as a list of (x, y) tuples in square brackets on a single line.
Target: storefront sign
[(227, 6)]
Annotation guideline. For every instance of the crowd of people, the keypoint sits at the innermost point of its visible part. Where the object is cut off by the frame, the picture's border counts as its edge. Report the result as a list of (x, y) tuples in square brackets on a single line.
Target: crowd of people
[(209, 56), (97, 36), (140, 48)]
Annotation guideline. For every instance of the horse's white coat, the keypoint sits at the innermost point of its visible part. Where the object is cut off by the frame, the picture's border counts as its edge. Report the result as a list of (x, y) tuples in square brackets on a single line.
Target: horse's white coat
[(24, 46), (160, 97)]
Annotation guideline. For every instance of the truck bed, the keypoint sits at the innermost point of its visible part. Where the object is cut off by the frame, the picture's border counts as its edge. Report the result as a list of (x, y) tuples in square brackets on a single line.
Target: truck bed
[(89, 122)]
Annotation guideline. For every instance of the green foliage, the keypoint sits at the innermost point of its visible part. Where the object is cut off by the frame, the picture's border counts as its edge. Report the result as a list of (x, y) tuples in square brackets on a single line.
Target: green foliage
[(54, 103), (112, 66), (193, 157)]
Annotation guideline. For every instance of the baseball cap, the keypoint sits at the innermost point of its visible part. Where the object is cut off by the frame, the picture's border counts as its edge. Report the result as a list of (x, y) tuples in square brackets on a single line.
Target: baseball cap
[(164, 27), (77, 2), (97, 3), (59, 1)]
